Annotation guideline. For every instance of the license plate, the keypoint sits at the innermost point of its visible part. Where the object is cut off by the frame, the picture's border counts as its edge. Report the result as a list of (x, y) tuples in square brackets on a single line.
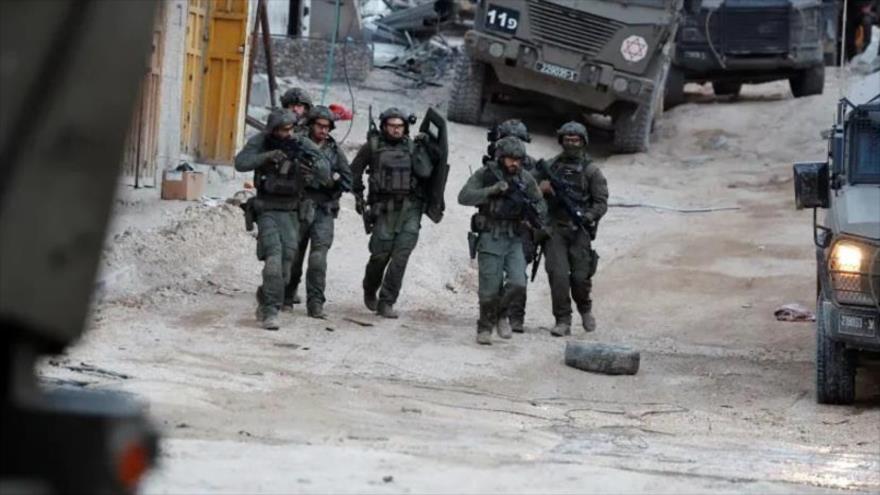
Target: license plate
[(556, 71), (861, 326)]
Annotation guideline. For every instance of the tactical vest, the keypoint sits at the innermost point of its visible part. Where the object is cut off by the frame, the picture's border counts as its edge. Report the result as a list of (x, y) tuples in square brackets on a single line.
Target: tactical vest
[(575, 175), (283, 182), (500, 207), (391, 171)]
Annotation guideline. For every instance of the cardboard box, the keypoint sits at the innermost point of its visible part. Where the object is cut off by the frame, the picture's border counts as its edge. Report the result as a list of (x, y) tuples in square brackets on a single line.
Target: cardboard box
[(188, 186)]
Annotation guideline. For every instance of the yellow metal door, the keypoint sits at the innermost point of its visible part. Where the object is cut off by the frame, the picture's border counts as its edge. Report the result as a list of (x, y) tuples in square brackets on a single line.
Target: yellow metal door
[(196, 37), (224, 70)]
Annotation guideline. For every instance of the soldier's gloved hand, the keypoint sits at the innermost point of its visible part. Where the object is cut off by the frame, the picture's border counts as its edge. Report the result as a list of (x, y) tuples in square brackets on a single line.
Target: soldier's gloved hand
[(545, 187), (359, 205), (499, 187), (274, 156)]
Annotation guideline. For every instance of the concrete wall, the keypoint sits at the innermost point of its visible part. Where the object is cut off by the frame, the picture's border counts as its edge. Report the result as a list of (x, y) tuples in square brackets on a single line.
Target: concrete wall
[(171, 92), (307, 59)]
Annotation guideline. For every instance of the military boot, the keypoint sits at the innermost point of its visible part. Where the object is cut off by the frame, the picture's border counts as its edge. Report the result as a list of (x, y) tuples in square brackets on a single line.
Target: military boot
[(504, 329), (561, 329), (588, 321), (517, 326), (316, 310), (270, 322), (488, 315), (370, 301), (386, 310)]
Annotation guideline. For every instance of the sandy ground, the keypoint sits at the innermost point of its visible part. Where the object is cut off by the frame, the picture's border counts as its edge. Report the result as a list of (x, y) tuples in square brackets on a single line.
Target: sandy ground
[(723, 402)]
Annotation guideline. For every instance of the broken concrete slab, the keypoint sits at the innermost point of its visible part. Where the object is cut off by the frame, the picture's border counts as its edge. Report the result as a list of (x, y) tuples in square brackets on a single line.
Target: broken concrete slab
[(602, 358)]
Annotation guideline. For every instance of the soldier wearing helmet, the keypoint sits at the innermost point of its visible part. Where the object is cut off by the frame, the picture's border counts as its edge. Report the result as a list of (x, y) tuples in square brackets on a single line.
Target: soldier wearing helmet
[(398, 167), (510, 127), (297, 101), (498, 224), (570, 260), (278, 158), (516, 128), (318, 210)]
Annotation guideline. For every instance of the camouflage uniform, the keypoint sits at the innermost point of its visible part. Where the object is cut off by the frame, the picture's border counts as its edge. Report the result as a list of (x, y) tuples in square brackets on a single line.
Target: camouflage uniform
[(570, 260), (396, 201), (317, 213), (500, 257), (277, 218)]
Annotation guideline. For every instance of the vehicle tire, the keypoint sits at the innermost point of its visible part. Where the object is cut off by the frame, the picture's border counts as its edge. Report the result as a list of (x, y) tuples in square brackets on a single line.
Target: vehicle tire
[(674, 88), (808, 82), (723, 88), (835, 366), (466, 100)]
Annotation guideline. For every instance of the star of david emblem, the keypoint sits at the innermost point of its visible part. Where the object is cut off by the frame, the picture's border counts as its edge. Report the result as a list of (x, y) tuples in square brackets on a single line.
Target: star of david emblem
[(634, 48)]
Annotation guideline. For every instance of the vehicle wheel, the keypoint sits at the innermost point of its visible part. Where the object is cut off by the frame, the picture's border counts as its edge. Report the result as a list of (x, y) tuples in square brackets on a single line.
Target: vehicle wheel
[(808, 82), (633, 124), (466, 98), (674, 87), (723, 88), (835, 366)]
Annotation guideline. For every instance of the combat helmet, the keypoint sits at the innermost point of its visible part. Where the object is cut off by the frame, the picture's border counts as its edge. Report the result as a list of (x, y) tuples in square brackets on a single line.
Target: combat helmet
[(321, 112), (510, 147), (396, 113), (279, 117), (572, 128), (515, 128), (295, 96)]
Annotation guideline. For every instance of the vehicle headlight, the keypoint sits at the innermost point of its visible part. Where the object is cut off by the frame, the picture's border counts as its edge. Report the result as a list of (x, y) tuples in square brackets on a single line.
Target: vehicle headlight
[(854, 271), (847, 257)]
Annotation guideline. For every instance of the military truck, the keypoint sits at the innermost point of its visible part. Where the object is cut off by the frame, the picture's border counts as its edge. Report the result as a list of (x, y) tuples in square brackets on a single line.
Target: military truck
[(732, 42), (594, 56), (847, 185)]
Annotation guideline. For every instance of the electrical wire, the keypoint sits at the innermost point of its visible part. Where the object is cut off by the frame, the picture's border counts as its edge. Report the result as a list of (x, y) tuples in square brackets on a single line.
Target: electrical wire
[(330, 60), (348, 84)]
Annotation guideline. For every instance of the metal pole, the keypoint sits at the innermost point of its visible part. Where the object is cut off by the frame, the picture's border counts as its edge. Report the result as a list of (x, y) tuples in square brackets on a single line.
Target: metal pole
[(267, 47), (251, 59)]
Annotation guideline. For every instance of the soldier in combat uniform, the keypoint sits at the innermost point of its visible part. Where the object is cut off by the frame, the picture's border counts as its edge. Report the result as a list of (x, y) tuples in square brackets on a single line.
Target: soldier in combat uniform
[(281, 162), (297, 100), (317, 213), (502, 191), (570, 260), (398, 168)]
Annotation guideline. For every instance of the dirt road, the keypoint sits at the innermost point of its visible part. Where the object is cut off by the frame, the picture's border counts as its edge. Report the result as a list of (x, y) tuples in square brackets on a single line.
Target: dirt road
[(724, 401)]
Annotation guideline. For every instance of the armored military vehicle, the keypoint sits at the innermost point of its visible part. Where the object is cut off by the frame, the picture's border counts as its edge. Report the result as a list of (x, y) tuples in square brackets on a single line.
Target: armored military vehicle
[(847, 185), (595, 56), (731, 42)]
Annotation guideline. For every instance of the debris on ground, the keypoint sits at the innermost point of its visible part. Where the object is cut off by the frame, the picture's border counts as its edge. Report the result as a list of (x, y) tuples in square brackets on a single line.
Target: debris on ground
[(794, 312), (414, 20), (426, 62), (602, 358)]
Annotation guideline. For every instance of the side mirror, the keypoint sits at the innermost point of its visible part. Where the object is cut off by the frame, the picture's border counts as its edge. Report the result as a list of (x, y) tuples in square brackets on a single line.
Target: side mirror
[(811, 185)]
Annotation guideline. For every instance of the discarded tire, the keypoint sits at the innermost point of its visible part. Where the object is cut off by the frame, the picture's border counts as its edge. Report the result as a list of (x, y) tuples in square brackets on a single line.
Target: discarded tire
[(602, 358)]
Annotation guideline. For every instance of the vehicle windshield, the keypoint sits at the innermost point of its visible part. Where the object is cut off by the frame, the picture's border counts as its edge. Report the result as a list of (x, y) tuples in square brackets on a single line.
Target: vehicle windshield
[(864, 149)]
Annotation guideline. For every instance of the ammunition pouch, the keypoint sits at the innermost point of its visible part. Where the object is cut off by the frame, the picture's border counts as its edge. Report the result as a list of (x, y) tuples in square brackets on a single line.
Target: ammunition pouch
[(280, 186)]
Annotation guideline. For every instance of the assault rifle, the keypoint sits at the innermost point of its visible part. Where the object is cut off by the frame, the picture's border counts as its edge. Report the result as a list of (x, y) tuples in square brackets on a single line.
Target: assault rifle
[(562, 190), (361, 205), (518, 191)]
